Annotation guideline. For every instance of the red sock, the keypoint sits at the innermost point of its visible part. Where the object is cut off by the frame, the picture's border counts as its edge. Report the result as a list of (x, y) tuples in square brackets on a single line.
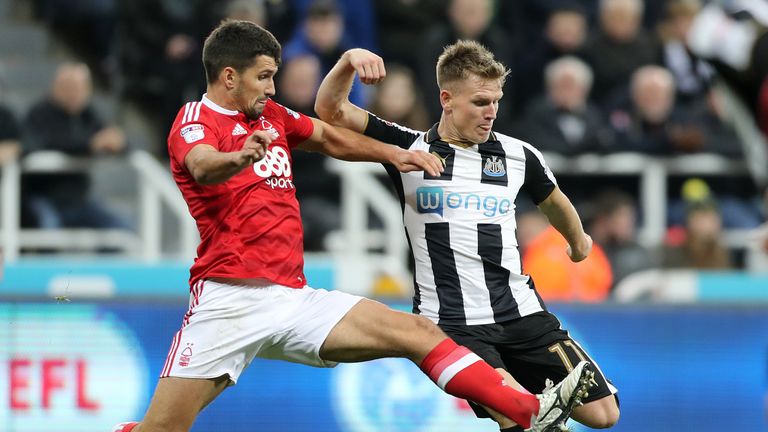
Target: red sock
[(125, 427), (463, 374)]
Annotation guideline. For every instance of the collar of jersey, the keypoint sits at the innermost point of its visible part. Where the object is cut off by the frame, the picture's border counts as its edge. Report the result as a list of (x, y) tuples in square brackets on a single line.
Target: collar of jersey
[(219, 109), (433, 136)]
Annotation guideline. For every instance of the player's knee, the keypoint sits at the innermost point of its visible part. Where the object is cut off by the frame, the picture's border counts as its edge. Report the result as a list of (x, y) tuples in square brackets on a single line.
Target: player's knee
[(606, 418), (600, 414)]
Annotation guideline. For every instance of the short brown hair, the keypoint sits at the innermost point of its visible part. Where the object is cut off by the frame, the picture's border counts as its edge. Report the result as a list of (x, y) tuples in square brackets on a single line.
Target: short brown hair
[(237, 44), (465, 58)]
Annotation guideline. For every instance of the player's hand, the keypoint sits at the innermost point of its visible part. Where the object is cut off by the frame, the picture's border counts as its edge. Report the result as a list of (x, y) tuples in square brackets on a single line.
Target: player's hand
[(369, 66), (580, 251), (418, 160), (255, 147)]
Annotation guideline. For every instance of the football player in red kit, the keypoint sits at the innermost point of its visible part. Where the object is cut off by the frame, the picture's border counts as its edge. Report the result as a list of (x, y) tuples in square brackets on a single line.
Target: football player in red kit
[(231, 157)]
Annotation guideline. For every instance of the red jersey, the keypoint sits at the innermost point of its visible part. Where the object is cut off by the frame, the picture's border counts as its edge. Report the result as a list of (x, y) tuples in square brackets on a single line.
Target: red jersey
[(250, 225)]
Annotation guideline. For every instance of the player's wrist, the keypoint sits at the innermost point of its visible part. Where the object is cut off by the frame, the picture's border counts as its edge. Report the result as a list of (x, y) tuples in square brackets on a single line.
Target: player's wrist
[(396, 155), (346, 59)]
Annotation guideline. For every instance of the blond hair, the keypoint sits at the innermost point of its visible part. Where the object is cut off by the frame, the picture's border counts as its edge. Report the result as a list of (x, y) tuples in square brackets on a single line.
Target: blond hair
[(465, 58)]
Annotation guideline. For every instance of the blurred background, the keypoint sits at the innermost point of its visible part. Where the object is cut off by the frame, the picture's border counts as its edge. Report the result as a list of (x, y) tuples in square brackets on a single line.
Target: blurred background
[(652, 114)]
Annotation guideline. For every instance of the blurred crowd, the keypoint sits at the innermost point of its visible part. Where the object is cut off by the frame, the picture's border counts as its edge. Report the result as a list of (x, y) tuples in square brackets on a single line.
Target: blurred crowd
[(587, 76)]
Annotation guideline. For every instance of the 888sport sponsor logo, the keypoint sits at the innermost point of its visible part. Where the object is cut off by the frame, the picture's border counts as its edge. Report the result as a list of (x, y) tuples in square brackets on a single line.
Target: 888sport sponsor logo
[(275, 167)]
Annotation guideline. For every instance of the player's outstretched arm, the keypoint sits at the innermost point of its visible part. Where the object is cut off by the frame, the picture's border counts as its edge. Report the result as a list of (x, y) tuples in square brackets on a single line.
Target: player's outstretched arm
[(348, 145), (210, 166), (561, 214), (332, 104)]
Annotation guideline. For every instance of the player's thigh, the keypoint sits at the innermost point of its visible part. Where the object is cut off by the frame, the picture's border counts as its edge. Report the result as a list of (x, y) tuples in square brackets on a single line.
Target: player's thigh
[(177, 402), (371, 330)]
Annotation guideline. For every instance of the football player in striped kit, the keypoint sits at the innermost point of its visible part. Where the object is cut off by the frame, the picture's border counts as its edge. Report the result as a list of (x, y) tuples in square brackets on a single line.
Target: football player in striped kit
[(461, 224), (231, 158)]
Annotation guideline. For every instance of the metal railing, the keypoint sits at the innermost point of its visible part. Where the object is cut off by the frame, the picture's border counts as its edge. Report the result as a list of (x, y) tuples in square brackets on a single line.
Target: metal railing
[(155, 189), (361, 191), (356, 264), (653, 173)]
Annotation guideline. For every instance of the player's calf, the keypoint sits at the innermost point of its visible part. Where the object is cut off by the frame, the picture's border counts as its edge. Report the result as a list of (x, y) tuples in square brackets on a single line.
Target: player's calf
[(463, 374)]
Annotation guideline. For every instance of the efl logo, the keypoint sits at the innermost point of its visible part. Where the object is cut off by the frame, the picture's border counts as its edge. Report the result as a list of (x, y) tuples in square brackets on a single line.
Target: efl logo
[(70, 381), (193, 133), (429, 200)]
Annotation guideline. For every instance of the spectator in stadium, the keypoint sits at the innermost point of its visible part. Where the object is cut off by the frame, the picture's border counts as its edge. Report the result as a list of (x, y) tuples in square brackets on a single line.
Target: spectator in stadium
[(247, 10), (299, 81), (560, 279), (692, 75), (322, 34), (702, 245), (650, 122), (613, 225), (359, 18), (158, 54), (10, 146), (619, 47), (565, 34), (249, 297), (66, 121), (733, 38), (530, 223), (88, 27), (721, 137), (467, 19), (400, 22), (399, 100), (564, 121), (461, 224)]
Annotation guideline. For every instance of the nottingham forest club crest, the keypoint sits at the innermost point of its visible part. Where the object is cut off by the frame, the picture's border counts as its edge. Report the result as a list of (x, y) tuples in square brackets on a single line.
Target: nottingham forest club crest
[(494, 167)]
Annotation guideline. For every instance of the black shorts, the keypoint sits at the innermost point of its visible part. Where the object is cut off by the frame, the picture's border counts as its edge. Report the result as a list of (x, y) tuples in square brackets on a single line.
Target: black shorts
[(531, 349)]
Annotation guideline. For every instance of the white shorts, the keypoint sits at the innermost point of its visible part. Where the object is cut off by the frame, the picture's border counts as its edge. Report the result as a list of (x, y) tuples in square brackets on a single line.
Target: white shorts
[(226, 326)]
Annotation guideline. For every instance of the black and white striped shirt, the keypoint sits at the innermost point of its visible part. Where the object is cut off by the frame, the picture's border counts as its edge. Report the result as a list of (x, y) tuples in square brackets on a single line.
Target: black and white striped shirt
[(461, 225)]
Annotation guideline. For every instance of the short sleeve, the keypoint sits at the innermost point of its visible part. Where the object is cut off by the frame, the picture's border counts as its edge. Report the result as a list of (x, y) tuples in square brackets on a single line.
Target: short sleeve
[(391, 133), (298, 127), (185, 137), (539, 180)]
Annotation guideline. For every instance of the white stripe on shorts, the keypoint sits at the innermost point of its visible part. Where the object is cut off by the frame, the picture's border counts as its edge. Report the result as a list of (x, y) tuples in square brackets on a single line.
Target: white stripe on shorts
[(171, 355)]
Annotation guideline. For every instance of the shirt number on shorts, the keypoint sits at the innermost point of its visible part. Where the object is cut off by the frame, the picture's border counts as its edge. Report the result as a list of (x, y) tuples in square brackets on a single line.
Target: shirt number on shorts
[(560, 351)]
